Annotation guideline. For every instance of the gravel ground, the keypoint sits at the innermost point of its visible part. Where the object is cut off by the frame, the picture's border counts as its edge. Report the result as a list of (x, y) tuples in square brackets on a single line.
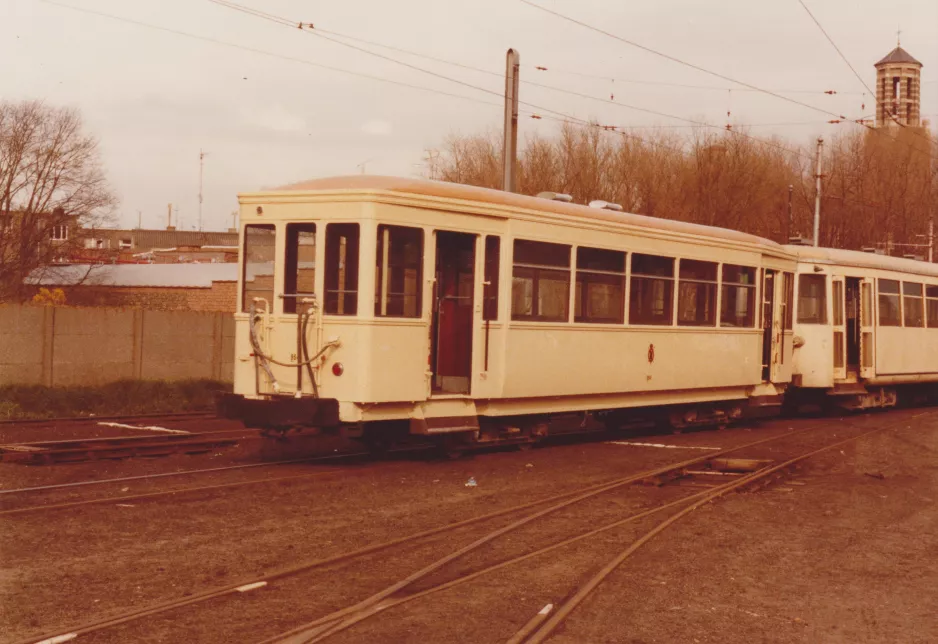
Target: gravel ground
[(844, 551)]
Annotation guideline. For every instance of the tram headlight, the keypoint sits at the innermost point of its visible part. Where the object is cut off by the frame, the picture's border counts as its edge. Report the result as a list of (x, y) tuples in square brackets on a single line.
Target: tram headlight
[(337, 369)]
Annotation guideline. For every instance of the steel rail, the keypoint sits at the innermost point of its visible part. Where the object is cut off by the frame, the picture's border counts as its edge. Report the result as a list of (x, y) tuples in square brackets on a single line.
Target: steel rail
[(328, 625), (585, 492), (567, 607), (59, 486), (69, 419), (153, 495)]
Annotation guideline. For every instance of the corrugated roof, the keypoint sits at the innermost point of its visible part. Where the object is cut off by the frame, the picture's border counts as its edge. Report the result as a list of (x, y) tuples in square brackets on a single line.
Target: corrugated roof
[(898, 55), (424, 187), (863, 260), (142, 275)]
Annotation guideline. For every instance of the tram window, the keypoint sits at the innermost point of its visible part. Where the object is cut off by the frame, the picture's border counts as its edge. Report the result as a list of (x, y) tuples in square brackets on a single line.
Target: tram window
[(341, 283), (299, 277), (812, 299), (398, 272), (890, 312), (651, 294), (697, 293), (540, 281), (600, 286), (913, 304), (788, 302), (738, 306), (490, 288), (258, 265), (931, 303)]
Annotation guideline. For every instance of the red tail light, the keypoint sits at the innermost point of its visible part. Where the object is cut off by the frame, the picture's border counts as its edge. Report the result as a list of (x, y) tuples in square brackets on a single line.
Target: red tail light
[(337, 369)]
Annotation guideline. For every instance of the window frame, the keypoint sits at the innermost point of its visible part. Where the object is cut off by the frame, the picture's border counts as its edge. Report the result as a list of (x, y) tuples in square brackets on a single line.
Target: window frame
[(534, 273), (750, 288), (491, 274), (605, 276), (641, 277), (331, 270), (291, 265), (823, 319), (381, 254), (931, 301), (911, 298), (712, 285), (245, 306), (881, 294)]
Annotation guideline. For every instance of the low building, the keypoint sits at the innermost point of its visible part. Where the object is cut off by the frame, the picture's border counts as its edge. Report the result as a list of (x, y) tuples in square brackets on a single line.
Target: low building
[(166, 287), (170, 246)]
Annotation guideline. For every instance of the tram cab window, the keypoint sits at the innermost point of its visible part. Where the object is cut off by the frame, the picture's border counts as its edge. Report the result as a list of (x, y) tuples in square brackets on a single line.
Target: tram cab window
[(812, 299), (341, 285), (257, 270), (913, 304), (931, 303), (651, 294), (738, 306), (697, 293), (299, 277), (493, 248), (890, 311), (540, 282), (399, 272), (600, 286)]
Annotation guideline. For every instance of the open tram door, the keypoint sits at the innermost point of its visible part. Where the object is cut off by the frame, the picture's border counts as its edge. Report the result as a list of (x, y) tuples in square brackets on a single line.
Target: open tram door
[(453, 311), (840, 327), (867, 353), (771, 328)]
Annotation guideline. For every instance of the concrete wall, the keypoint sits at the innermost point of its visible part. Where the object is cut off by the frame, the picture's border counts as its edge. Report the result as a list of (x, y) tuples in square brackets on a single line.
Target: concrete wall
[(60, 346)]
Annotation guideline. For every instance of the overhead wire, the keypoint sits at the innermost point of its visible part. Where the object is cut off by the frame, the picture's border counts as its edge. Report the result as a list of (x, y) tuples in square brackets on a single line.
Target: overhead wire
[(879, 103), (701, 69), (310, 28)]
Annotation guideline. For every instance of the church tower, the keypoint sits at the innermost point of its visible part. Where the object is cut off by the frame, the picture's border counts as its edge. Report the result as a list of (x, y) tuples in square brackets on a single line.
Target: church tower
[(898, 89)]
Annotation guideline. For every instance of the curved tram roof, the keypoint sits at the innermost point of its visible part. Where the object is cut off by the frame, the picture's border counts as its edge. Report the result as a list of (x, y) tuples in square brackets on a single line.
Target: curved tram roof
[(373, 184), (859, 259)]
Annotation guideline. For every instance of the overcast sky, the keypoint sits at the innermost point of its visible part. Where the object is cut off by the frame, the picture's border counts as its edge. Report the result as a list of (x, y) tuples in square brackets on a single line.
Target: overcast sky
[(155, 98)]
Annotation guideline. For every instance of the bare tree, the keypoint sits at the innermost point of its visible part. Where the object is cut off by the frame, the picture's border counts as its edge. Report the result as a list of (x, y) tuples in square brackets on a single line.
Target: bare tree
[(878, 186), (51, 185)]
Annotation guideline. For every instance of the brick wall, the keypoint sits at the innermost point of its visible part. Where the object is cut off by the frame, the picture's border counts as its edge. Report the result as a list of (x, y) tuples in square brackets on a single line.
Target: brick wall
[(221, 297)]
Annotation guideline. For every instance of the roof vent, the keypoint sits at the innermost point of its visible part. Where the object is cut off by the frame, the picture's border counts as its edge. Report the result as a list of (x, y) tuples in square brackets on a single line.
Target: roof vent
[(798, 240), (605, 205), (555, 196), (869, 249)]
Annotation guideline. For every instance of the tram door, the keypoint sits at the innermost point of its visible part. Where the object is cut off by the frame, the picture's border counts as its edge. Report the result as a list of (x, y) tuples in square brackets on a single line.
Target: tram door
[(769, 345), (453, 300)]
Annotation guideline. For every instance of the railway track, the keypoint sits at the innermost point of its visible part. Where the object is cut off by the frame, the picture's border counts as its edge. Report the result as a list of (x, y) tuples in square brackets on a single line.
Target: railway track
[(345, 618), (542, 624), (119, 447), (186, 415)]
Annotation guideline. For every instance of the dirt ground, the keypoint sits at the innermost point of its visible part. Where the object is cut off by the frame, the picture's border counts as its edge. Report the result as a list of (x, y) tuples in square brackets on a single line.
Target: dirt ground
[(845, 550)]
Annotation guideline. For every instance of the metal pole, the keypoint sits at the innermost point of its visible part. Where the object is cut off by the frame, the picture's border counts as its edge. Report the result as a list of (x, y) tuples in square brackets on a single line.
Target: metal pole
[(510, 144), (791, 223), (817, 196), (931, 240)]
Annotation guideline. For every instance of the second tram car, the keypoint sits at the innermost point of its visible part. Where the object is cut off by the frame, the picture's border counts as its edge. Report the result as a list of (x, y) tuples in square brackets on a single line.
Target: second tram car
[(386, 307), (866, 328)]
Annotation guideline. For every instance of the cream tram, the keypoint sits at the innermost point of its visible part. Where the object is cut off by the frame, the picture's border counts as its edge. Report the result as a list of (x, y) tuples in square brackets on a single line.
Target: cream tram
[(389, 306), (866, 327)]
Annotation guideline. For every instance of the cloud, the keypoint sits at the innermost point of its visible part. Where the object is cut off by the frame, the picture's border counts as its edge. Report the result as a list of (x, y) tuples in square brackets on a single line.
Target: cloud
[(377, 127), (276, 118)]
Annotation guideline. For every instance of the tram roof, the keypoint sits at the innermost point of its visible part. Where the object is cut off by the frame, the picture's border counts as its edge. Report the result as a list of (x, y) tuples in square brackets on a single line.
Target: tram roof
[(375, 184), (860, 259)]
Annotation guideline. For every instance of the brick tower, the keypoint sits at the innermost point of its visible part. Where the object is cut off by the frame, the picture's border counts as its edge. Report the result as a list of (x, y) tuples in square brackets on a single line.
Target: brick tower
[(898, 85)]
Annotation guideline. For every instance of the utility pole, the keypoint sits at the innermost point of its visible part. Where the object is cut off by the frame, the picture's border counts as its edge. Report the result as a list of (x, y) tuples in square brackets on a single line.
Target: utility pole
[(791, 222), (931, 240), (510, 145), (169, 216), (139, 219), (201, 164), (817, 196)]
